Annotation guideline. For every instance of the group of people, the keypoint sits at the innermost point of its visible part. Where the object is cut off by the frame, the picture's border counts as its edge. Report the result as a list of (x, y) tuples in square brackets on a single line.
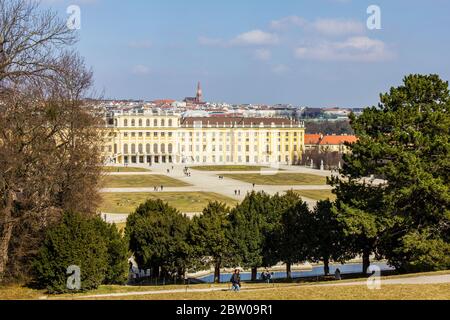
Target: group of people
[(237, 192), (186, 172), (156, 189), (266, 276)]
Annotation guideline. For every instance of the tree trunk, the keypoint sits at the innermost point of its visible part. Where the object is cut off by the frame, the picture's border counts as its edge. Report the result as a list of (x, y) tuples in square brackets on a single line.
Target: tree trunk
[(5, 237), (288, 270), (254, 273), (326, 266), (217, 273), (366, 260)]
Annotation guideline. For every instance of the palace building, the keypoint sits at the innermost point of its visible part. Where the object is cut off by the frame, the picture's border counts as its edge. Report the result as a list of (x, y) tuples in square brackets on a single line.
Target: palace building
[(153, 138)]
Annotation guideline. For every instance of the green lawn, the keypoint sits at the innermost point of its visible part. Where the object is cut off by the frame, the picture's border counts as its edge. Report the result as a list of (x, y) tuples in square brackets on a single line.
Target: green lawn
[(183, 201), (141, 181), (228, 168), (124, 169), (281, 179), (316, 194)]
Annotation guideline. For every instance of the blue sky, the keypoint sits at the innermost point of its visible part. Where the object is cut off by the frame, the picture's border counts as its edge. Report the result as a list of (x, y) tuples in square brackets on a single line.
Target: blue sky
[(314, 52)]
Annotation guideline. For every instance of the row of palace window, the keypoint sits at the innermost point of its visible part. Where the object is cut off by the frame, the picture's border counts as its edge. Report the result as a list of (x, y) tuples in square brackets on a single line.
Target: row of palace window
[(240, 159), (219, 148), (148, 149), (240, 134), (148, 122), (147, 134)]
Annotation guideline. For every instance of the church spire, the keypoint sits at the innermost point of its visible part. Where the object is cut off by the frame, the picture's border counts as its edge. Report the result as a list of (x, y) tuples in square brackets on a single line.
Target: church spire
[(199, 93)]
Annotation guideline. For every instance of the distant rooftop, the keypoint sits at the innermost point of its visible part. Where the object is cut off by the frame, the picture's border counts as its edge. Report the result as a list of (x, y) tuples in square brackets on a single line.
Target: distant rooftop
[(239, 122)]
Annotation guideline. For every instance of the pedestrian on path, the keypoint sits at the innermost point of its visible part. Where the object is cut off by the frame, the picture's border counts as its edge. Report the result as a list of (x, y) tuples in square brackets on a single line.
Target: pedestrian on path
[(236, 281)]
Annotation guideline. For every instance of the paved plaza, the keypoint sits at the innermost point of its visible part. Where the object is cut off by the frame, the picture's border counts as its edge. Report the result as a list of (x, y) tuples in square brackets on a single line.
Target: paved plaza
[(208, 181)]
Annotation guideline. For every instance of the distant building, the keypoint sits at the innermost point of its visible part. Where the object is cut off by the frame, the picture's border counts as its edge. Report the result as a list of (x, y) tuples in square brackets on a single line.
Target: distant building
[(329, 143), (148, 138), (198, 99)]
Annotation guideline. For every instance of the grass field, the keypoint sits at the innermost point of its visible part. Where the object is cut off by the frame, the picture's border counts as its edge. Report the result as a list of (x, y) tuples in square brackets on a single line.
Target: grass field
[(183, 201), (141, 181), (124, 169), (360, 292), (228, 168), (279, 291), (281, 179), (316, 194)]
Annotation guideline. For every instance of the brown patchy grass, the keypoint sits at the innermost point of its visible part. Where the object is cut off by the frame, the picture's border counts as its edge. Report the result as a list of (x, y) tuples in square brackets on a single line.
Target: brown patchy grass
[(141, 181), (280, 179), (183, 201), (228, 168), (124, 169), (258, 291), (361, 292), (316, 194)]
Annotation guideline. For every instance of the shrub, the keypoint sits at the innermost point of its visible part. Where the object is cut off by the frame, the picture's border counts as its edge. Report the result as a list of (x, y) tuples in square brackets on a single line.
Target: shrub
[(76, 240), (117, 251)]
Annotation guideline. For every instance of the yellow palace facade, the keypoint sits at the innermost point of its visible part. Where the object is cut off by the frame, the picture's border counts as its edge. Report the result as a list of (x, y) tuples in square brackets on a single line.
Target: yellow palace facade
[(149, 138)]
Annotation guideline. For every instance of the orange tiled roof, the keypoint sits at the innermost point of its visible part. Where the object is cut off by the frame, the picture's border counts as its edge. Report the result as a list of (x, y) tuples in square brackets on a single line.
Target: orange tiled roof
[(337, 140), (163, 101), (312, 138)]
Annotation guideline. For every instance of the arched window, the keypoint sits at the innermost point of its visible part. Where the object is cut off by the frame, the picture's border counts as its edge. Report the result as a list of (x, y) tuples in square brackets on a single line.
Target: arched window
[(155, 122), (147, 123), (163, 148), (170, 148), (133, 123), (140, 122), (115, 148), (155, 148), (133, 148), (125, 148), (148, 149), (141, 149), (125, 122), (163, 122)]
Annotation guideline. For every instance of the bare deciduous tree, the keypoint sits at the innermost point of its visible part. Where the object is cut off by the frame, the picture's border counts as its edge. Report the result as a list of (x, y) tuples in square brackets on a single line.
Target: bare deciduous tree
[(30, 39), (49, 138)]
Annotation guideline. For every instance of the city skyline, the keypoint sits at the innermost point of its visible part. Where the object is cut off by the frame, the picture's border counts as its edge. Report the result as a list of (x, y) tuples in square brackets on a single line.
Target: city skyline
[(317, 54)]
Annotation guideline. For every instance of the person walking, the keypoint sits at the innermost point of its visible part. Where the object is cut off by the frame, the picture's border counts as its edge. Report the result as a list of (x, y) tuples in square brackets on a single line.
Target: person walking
[(236, 281), (162, 188)]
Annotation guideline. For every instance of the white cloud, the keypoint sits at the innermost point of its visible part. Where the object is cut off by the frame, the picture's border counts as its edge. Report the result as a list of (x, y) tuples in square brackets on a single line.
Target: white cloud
[(361, 49), (287, 22), (140, 70), (330, 27), (338, 27), (255, 37), (251, 38), (263, 54)]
